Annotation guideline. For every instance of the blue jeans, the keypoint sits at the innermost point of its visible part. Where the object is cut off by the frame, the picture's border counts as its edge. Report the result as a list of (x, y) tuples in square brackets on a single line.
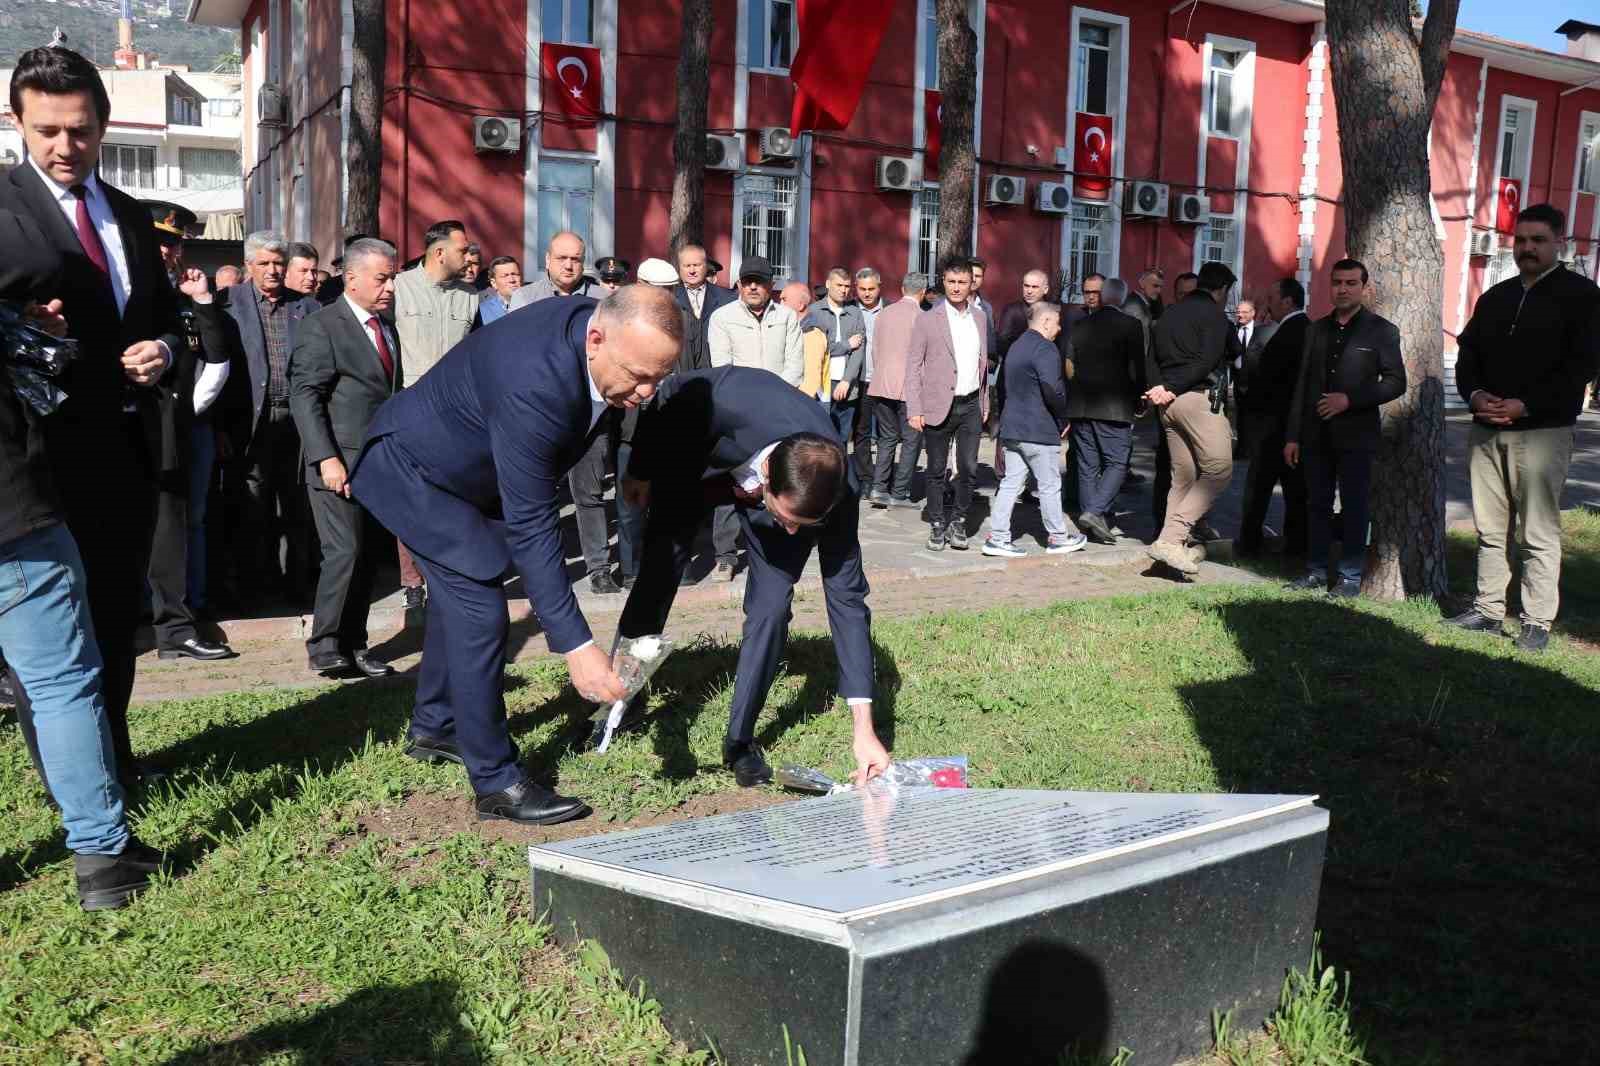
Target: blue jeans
[(48, 638), (202, 457), (1045, 462)]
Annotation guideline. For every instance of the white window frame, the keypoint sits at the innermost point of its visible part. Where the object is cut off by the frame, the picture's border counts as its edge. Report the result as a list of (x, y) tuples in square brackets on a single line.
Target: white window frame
[(1109, 267), (1521, 168), (114, 180), (766, 19), (1212, 74), (1080, 50), (1244, 81), (581, 161), (786, 271), (1117, 106), (801, 245), (1588, 182), (1203, 238), (562, 36), (914, 263)]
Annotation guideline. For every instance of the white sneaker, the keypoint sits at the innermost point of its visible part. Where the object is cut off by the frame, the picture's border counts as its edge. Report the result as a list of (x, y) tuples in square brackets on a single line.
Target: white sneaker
[(1003, 549), (1062, 543)]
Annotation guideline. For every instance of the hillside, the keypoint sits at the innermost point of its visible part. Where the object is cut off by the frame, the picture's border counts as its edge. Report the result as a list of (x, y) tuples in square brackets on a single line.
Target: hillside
[(91, 28)]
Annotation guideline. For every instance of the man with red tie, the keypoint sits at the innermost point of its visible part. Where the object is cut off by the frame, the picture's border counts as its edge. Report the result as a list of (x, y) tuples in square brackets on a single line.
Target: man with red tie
[(343, 367), (123, 311)]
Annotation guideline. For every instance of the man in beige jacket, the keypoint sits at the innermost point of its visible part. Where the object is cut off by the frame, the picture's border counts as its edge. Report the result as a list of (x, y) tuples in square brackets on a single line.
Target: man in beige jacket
[(755, 330)]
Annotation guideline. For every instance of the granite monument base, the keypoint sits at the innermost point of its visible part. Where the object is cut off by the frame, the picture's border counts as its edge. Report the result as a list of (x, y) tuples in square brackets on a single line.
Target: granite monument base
[(953, 926)]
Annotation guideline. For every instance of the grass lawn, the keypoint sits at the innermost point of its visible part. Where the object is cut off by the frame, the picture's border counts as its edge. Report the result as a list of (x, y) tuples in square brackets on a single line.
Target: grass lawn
[(1459, 892)]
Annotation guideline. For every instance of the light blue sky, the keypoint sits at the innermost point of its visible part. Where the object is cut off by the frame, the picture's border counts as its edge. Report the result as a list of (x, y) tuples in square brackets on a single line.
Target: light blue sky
[(1529, 21)]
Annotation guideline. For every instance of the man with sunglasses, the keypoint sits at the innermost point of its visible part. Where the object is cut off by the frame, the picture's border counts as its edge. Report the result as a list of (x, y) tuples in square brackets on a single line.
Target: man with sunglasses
[(744, 436)]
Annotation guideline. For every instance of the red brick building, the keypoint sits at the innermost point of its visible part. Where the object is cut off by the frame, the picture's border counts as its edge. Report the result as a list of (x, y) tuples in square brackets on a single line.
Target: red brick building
[(1223, 138)]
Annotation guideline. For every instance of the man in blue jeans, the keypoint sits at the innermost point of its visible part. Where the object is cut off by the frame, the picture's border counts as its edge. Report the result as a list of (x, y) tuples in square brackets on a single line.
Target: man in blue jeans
[(45, 628)]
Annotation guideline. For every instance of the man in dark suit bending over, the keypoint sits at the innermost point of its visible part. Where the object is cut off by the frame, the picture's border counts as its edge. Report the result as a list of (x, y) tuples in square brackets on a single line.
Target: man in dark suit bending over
[(464, 467), (746, 436)]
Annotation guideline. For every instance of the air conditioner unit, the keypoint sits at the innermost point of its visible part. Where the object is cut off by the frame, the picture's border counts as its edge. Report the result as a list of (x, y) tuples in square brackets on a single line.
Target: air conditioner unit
[(1484, 242), (777, 143), (269, 105), (1145, 199), (494, 133), (724, 151), (1004, 189), (898, 173), (1191, 209), (1053, 197)]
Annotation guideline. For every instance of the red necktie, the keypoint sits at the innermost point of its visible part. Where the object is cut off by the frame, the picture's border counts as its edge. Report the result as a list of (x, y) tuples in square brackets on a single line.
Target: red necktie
[(88, 236), (383, 347)]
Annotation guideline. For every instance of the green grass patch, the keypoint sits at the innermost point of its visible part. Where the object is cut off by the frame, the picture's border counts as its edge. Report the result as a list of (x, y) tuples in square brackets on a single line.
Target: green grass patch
[(1459, 890)]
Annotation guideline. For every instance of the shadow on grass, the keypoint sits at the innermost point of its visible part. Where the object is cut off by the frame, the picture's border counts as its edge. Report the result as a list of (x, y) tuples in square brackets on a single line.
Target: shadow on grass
[(397, 1023), (1462, 857)]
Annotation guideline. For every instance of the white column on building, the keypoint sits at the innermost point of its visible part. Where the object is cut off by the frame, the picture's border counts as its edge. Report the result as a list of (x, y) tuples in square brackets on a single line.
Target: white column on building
[(1311, 155)]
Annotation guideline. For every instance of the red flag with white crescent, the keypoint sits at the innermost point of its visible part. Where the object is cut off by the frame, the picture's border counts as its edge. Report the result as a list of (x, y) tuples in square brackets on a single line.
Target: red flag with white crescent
[(932, 130), (1508, 204), (572, 84), (1091, 158)]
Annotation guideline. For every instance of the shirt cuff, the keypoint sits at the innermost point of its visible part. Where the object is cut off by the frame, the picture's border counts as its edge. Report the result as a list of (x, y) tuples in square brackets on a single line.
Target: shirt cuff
[(166, 353), (580, 647), (859, 701)]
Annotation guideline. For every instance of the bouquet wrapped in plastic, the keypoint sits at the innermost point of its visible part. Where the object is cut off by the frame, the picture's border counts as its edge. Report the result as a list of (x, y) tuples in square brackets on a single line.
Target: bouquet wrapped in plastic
[(31, 360), (933, 771), (635, 661)]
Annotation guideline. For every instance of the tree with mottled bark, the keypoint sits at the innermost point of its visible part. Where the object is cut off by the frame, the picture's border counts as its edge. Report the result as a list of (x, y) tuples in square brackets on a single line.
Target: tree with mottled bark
[(686, 219), (369, 51), (958, 159), (1385, 84)]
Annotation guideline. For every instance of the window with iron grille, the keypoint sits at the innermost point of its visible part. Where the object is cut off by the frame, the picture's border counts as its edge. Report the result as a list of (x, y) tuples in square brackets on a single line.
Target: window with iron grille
[(767, 228), (128, 166), (208, 168), (1219, 241), (925, 225), (1089, 251)]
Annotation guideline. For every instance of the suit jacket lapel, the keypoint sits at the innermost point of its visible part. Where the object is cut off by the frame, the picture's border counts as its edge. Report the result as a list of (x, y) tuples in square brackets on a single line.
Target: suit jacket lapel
[(947, 333), (45, 208), (359, 339)]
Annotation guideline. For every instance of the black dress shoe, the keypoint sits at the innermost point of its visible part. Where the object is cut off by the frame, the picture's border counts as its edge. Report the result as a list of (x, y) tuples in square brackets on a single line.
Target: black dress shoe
[(195, 648), (601, 581), (433, 750), (331, 663), (368, 666), (749, 766), (106, 882), (1471, 620), (1095, 528), (530, 803)]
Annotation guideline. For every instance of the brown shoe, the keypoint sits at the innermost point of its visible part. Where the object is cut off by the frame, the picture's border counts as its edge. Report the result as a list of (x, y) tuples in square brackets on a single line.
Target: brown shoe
[(1175, 556)]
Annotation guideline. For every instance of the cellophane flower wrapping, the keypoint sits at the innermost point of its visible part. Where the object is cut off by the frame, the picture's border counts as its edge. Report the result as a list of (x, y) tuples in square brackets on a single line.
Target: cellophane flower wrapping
[(635, 661), (31, 359), (931, 771)]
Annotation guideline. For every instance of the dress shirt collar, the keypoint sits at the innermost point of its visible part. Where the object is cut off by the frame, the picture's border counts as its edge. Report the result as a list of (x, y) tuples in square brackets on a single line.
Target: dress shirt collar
[(363, 316), (63, 193), (962, 315), (750, 476), (1291, 314)]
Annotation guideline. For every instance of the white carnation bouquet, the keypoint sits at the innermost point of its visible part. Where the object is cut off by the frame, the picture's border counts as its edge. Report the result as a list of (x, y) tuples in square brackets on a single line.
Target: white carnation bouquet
[(635, 659)]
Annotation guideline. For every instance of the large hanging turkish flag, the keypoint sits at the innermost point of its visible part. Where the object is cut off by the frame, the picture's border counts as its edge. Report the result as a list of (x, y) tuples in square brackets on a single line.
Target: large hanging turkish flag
[(932, 130), (1508, 202), (839, 39), (572, 84), (1091, 158)]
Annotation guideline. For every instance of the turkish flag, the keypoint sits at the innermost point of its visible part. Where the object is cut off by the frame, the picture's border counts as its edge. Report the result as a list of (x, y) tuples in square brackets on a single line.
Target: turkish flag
[(839, 39), (1507, 203), (572, 84), (1091, 158), (932, 130)]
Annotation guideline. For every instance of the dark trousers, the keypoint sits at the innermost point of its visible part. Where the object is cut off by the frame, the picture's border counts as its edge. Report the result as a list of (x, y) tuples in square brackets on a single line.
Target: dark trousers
[(892, 473), (630, 519), (168, 570), (1101, 451), (587, 480), (861, 438), (349, 537), (1350, 472), (1263, 441), (459, 686), (962, 425), (776, 561), (1163, 479), (109, 500), (725, 534), (274, 506)]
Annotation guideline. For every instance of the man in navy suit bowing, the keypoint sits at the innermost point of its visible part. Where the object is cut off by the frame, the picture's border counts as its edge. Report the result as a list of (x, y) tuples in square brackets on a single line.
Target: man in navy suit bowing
[(747, 437), (464, 468)]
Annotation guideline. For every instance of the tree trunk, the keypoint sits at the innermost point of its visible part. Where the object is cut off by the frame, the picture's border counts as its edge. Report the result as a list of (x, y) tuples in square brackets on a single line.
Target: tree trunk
[(958, 160), (1385, 84), (686, 220), (366, 118)]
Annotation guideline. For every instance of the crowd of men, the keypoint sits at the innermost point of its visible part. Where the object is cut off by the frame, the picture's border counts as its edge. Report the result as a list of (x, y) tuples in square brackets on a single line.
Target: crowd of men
[(207, 458)]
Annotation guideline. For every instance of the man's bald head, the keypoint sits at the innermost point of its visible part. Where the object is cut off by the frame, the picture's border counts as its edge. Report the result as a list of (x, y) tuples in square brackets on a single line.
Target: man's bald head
[(796, 296), (633, 342), (563, 260)]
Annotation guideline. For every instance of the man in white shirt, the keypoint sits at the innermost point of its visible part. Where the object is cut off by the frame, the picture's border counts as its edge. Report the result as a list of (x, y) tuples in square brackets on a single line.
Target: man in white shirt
[(946, 397)]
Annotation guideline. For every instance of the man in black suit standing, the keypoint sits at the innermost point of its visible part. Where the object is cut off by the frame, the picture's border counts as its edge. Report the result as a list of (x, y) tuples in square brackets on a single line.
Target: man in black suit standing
[(1269, 376), (746, 437), (1352, 367), (1106, 351), (124, 313), (345, 364)]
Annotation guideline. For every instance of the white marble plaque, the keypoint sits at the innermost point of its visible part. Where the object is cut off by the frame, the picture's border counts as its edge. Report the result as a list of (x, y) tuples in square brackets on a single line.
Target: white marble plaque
[(853, 852)]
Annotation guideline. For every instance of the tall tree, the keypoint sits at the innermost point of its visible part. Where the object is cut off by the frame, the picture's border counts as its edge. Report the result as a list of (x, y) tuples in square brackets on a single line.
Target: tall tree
[(958, 158), (1385, 84), (366, 117), (686, 219)]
